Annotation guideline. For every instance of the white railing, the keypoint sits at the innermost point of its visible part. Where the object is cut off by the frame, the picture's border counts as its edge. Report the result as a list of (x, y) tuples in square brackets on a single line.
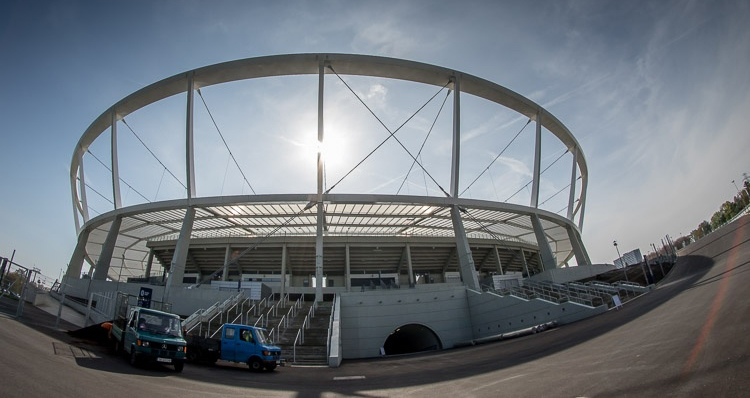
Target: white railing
[(301, 333), (216, 332), (299, 339), (333, 345), (253, 309), (260, 320), (104, 310), (277, 328)]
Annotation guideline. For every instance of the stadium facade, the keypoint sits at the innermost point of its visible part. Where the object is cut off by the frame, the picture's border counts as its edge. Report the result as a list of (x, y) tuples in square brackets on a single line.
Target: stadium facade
[(392, 260)]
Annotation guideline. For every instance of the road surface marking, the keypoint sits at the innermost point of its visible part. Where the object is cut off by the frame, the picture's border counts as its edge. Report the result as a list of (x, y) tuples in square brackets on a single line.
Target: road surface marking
[(348, 378)]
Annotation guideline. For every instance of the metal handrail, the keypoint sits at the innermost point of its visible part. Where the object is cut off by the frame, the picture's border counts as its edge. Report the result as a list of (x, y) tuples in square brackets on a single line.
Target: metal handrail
[(265, 300), (277, 328), (301, 332), (330, 325), (254, 308), (259, 319), (233, 304), (190, 323), (215, 333), (208, 330)]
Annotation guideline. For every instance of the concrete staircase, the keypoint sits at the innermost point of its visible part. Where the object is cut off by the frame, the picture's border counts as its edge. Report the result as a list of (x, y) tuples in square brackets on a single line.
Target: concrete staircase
[(313, 351)]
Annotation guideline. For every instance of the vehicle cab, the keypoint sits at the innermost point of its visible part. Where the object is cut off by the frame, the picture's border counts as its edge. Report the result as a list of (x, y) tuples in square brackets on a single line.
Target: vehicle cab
[(156, 336), (243, 343)]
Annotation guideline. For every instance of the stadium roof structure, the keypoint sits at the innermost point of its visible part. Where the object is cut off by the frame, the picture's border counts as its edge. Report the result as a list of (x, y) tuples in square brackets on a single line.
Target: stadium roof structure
[(324, 232)]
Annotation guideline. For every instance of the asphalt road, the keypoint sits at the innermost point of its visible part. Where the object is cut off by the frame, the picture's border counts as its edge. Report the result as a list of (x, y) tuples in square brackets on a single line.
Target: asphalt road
[(688, 337)]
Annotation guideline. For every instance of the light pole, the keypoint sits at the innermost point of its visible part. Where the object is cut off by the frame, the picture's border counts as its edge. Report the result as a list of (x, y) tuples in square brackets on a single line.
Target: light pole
[(624, 270), (737, 188)]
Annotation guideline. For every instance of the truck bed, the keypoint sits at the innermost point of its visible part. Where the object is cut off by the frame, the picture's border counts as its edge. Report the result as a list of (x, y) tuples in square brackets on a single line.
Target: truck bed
[(203, 349)]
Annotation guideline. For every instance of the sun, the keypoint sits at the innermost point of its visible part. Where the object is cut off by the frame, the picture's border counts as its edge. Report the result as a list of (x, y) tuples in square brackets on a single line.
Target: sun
[(334, 149)]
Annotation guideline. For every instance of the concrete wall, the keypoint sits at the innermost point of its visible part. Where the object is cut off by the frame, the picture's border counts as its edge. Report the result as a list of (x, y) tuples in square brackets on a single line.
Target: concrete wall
[(569, 274), (184, 301), (369, 317), (492, 314)]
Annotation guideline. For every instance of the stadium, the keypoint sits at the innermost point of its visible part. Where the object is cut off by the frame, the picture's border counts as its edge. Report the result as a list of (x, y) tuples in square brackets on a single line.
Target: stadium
[(390, 218)]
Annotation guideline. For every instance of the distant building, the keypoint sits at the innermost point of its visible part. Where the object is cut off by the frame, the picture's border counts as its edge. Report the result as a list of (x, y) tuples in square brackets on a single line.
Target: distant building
[(630, 258)]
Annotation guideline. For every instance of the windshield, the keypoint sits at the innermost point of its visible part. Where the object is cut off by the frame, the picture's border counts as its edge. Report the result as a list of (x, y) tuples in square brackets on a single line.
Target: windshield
[(169, 325), (262, 338)]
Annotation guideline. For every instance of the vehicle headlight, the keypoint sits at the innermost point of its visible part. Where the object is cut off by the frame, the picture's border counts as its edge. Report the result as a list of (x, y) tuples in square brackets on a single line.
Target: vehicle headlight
[(266, 353), (181, 349), (143, 343)]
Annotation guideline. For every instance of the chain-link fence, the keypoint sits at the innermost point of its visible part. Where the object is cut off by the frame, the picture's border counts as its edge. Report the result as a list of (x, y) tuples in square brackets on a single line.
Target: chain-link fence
[(17, 281)]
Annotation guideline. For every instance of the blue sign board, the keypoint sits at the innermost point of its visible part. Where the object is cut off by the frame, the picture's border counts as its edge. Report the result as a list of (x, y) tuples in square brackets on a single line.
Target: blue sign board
[(144, 297)]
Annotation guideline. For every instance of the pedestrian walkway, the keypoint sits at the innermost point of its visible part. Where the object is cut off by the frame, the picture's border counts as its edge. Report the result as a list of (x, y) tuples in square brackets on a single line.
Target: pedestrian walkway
[(37, 318), (48, 304)]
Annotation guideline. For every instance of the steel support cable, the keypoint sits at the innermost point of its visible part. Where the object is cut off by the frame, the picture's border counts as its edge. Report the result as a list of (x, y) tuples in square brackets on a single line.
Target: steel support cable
[(152, 153), (494, 188), (263, 238), (496, 157), (158, 188), (424, 142), (532, 180), (557, 193), (554, 194), (392, 134), (123, 181), (98, 193), (224, 141), (566, 206)]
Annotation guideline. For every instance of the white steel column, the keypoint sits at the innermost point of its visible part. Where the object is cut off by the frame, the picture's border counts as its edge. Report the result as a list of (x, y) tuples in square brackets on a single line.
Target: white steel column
[(537, 161), (408, 263), (525, 264), (497, 257), (579, 250), (465, 260), (321, 216), (105, 257), (189, 155), (82, 190), (582, 206), (463, 251), (177, 266), (545, 252), (348, 270), (456, 154), (284, 256), (115, 162), (573, 175), (79, 253), (227, 259), (149, 264)]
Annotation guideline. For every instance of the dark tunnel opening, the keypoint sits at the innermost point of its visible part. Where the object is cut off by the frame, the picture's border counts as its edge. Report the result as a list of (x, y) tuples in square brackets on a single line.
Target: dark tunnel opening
[(410, 339)]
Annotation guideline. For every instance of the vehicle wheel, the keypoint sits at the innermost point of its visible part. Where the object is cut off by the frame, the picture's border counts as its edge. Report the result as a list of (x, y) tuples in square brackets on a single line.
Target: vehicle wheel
[(133, 357), (178, 365), (255, 364)]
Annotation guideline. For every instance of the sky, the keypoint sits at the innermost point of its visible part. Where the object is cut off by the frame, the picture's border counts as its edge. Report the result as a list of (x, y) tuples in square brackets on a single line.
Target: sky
[(656, 93)]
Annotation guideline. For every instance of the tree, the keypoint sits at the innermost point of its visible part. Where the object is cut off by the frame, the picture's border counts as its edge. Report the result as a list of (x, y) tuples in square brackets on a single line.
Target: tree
[(14, 281)]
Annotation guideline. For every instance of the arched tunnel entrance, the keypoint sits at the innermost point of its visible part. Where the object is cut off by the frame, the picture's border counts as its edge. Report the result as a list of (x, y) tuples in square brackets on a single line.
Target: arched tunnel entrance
[(411, 338)]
